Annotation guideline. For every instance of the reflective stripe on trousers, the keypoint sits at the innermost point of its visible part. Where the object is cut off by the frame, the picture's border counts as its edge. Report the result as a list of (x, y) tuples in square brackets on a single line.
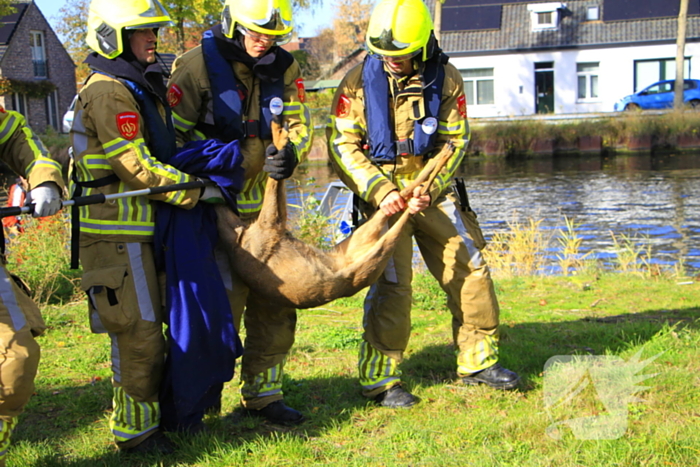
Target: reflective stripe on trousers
[(267, 383), (376, 369), (7, 426), (131, 419), (482, 356)]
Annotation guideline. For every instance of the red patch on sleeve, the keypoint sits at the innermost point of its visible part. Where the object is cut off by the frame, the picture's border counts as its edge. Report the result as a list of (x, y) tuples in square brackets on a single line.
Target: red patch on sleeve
[(462, 105), (174, 95), (343, 108), (2, 109), (128, 124), (301, 92)]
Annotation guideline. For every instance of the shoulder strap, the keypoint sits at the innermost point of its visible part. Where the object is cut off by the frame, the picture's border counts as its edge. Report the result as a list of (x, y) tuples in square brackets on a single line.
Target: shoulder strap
[(379, 124), (228, 120)]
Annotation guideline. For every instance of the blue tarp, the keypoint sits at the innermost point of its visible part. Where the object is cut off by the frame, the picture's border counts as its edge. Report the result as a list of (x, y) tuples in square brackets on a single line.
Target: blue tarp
[(202, 341)]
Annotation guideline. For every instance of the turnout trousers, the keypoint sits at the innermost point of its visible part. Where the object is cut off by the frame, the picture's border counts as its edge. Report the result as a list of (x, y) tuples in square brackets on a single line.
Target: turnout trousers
[(450, 242), (124, 301), (269, 335), (20, 322)]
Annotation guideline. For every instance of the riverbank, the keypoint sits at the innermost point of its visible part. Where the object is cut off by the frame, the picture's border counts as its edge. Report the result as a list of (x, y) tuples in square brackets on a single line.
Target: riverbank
[(620, 318), (626, 132), (636, 131)]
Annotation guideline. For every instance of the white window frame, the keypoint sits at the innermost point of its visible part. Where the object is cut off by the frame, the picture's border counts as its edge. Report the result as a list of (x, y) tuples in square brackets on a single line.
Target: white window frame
[(474, 82), (539, 11), (53, 118), (590, 76), (592, 13), (19, 103), (38, 52), (663, 65)]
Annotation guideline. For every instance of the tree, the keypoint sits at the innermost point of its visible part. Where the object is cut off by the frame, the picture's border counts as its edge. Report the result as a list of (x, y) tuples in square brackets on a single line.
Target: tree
[(321, 51), (72, 26), (6, 8), (680, 55), (307, 63), (191, 18), (350, 25)]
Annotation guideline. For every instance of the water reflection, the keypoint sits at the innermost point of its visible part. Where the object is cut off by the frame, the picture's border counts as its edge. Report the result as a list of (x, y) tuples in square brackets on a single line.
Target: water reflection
[(654, 199)]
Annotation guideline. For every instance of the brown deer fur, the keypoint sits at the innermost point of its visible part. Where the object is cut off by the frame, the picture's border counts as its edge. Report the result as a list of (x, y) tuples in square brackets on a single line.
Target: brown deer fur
[(286, 271)]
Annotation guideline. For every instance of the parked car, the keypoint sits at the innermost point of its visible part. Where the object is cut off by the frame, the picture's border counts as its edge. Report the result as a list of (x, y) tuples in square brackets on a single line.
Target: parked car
[(660, 96), (68, 116)]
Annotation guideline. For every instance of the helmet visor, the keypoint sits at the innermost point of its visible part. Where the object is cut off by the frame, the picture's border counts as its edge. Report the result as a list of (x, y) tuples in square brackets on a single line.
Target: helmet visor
[(155, 16), (274, 21), (266, 38), (387, 43), (398, 58)]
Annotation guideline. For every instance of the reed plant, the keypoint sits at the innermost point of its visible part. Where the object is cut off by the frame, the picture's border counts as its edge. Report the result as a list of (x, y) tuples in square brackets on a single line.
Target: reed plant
[(633, 255), (518, 251), (309, 225), (522, 250), (570, 258)]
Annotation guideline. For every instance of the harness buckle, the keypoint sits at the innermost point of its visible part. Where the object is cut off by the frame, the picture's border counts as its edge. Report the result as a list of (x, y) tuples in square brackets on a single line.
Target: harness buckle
[(251, 128), (404, 147)]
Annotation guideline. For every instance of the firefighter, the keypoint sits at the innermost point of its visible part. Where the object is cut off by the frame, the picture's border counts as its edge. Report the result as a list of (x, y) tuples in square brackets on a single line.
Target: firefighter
[(122, 129), (20, 319), (230, 87), (389, 114)]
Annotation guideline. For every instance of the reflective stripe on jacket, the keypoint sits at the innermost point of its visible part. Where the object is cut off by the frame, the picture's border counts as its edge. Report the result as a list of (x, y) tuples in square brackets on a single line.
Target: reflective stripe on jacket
[(24, 152), (193, 109), (347, 132), (103, 148)]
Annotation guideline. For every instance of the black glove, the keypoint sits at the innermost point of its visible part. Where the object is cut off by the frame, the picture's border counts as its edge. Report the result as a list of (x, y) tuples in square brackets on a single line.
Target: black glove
[(280, 164)]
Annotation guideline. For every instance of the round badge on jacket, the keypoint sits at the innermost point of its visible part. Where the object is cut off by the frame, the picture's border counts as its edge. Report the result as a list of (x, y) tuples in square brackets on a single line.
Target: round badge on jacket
[(276, 106), (429, 125)]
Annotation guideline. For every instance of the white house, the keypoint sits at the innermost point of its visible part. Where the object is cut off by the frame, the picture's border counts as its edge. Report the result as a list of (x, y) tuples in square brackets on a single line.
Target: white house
[(527, 57)]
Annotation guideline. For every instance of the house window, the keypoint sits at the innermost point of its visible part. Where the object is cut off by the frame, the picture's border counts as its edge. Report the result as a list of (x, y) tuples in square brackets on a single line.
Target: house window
[(544, 19), (478, 86), (52, 110), (592, 13), (19, 103), (545, 15), (587, 74), (36, 43), (647, 72)]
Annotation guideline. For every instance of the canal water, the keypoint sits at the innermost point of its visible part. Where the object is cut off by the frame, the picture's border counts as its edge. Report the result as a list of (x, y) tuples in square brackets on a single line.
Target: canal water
[(652, 199)]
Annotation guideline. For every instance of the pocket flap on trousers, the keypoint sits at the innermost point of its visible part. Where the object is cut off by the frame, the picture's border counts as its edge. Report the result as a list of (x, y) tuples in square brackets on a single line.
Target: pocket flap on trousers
[(111, 277)]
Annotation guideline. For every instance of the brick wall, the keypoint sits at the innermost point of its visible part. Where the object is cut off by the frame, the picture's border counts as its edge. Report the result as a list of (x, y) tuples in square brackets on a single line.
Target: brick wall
[(17, 64)]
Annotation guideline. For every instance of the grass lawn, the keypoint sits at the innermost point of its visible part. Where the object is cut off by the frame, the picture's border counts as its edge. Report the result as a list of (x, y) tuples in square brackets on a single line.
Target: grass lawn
[(613, 315)]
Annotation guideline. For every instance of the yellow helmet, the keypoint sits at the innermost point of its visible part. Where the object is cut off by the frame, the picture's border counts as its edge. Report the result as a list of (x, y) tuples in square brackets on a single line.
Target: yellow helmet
[(399, 28), (269, 17), (108, 18)]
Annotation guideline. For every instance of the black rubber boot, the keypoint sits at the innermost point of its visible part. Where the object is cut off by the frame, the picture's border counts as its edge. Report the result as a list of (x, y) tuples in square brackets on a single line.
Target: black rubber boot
[(277, 412), (157, 443), (396, 397), (495, 376)]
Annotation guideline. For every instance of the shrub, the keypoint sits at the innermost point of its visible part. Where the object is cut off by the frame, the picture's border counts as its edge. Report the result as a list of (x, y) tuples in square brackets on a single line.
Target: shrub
[(41, 257)]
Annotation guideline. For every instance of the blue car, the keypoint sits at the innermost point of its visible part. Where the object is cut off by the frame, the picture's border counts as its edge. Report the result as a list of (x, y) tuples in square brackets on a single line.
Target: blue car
[(660, 96)]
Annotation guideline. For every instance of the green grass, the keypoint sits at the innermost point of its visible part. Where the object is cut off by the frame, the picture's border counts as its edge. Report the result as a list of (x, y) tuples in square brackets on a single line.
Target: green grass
[(65, 423)]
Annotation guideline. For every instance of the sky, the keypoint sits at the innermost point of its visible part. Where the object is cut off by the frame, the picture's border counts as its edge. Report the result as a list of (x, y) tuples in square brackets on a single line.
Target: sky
[(307, 21)]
